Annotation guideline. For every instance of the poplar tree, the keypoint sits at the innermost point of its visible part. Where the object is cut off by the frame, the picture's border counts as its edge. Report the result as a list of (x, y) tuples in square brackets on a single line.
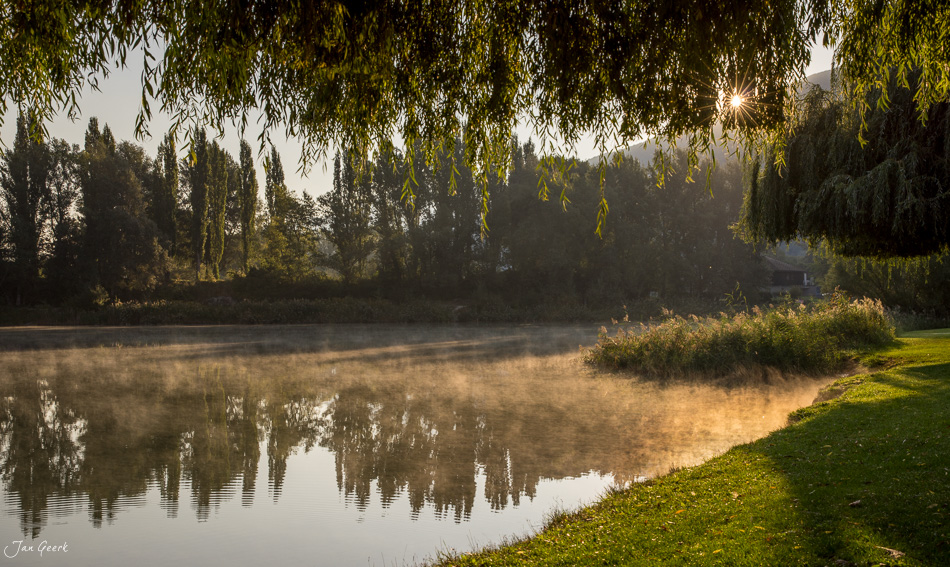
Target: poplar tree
[(199, 173), (217, 201), (275, 188), (247, 201), (62, 267), (166, 201), (24, 181), (347, 213)]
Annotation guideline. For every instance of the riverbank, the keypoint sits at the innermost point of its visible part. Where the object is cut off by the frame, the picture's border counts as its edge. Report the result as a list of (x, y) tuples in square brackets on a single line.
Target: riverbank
[(225, 310), (860, 479), (230, 310)]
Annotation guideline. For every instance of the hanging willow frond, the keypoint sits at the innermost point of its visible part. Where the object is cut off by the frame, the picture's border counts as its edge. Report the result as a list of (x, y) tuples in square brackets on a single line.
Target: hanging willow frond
[(887, 197)]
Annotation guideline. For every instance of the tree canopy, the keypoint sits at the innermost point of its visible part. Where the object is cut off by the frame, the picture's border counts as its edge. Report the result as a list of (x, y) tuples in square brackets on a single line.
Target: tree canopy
[(874, 185), (109, 222), (358, 74)]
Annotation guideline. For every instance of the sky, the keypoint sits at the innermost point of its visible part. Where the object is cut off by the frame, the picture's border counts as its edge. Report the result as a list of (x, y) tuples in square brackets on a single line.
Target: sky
[(119, 98)]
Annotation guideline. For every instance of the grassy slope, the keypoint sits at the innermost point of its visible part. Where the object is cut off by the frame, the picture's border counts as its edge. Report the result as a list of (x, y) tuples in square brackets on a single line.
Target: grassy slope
[(861, 479)]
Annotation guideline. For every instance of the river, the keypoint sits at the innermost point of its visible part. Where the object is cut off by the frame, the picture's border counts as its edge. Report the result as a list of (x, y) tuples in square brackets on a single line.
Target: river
[(330, 445)]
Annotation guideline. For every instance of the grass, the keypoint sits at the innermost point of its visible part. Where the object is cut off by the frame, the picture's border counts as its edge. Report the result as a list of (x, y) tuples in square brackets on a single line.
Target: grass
[(813, 338), (861, 479)]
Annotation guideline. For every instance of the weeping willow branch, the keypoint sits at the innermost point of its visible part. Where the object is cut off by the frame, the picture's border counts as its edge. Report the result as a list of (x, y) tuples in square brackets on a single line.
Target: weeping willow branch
[(885, 194)]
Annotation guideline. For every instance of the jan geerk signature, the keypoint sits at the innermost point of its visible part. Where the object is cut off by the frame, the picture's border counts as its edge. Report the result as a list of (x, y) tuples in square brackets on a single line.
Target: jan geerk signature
[(19, 547)]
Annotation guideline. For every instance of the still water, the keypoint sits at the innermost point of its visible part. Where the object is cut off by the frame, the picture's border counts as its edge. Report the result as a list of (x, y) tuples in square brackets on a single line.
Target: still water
[(329, 445)]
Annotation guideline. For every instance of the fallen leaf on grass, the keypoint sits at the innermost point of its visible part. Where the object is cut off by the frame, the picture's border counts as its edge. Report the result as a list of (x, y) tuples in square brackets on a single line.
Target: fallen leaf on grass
[(893, 552)]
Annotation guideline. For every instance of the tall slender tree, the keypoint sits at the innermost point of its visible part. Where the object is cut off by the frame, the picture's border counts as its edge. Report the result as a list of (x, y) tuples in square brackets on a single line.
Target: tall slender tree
[(247, 201), (25, 191), (62, 266), (217, 202), (287, 245), (388, 221), (108, 139), (166, 199), (199, 173), (275, 188), (347, 212)]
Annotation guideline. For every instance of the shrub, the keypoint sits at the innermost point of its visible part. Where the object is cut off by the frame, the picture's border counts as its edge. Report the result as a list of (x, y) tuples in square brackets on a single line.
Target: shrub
[(810, 338)]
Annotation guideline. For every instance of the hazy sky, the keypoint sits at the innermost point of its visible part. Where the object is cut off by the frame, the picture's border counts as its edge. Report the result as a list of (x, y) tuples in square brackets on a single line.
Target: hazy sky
[(118, 102)]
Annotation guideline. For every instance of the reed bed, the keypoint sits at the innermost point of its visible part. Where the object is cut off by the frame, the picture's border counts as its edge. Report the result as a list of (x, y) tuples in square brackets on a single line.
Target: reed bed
[(810, 338)]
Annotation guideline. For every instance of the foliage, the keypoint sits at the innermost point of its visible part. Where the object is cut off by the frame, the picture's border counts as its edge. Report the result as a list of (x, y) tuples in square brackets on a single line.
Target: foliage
[(247, 202), (275, 188), (121, 248), (285, 302), (806, 338), (900, 40), (389, 221), (165, 201), (357, 74), (24, 181), (673, 243), (291, 226), (665, 241), (64, 259), (199, 172), (217, 206), (354, 75), (917, 285), (881, 197), (39, 189), (346, 214)]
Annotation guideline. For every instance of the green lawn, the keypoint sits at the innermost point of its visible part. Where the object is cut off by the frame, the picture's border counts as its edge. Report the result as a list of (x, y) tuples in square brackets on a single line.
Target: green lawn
[(863, 479)]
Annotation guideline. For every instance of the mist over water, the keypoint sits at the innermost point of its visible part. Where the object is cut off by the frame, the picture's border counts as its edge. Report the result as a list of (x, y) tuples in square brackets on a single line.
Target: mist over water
[(331, 445)]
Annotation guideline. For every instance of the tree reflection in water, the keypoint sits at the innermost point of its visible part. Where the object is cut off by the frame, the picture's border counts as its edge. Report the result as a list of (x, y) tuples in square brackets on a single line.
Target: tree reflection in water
[(425, 414)]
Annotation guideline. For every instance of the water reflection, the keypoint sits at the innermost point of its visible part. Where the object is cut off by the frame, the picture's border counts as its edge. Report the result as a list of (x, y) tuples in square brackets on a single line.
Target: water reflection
[(92, 419)]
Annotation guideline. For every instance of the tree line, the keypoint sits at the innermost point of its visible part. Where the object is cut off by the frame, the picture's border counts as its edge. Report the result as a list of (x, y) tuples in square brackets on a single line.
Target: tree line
[(106, 221)]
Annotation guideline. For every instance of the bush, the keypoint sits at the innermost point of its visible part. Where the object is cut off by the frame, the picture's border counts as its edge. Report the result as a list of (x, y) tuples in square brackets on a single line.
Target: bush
[(813, 338)]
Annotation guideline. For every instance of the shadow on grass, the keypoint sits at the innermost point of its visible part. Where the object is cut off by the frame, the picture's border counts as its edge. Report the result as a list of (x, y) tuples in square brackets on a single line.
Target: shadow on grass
[(870, 480)]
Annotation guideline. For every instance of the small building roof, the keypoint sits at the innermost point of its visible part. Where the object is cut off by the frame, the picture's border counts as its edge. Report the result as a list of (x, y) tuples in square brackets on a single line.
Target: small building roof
[(780, 266)]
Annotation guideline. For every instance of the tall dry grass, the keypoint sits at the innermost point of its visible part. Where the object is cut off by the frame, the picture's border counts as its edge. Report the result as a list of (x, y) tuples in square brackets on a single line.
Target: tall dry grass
[(815, 338)]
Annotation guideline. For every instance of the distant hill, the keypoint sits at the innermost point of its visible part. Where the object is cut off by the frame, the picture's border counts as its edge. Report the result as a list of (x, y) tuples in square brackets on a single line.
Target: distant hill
[(822, 79), (645, 151)]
